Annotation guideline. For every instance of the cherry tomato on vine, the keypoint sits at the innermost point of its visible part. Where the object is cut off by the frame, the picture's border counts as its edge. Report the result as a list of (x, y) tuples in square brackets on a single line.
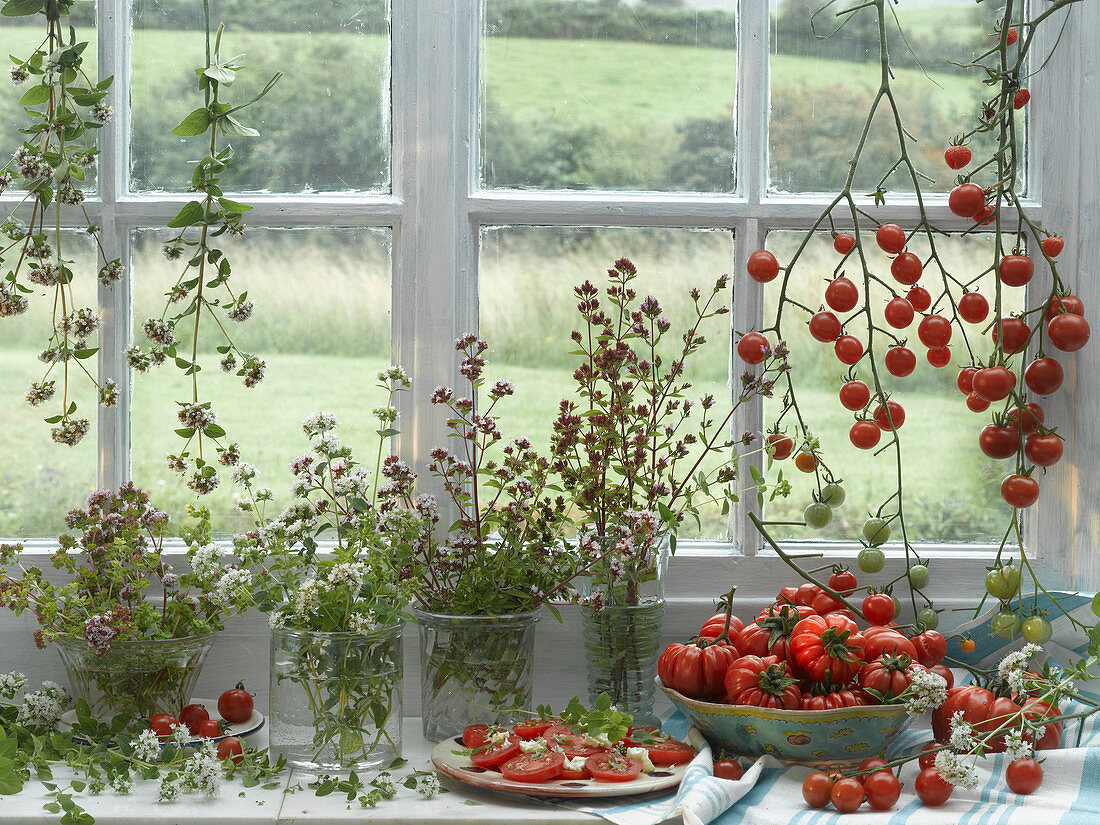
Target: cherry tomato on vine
[(932, 789), (939, 356), (847, 795), (883, 790), (928, 618), (973, 307), (782, 445), (1016, 270), (1044, 376), (843, 582), (900, 361), (957, 156), (1064, 303), (805, 462), (1052, 246), (891, 420), (898, 313), (825, 327), (1021, 98), (976, 403), (919, 576), (965, 381), (934, 331), (1003, 582), (986, 215), (994, 383), (967, 645), (848, 349), (1005, 625), (841, 294), (919, 298), (870, 559), (1011, 35), (1024, 776), (878, 608), (235, 705), (1036, 630), (1068, 332), (1019, 491), (890, 238), (854, 395), (1044, 450), (864, 434), (1025, 421), (844, 243), (833, 495), (998, 442), (818, 515), (1016, 334), (816, 789), (876, 531), (753, 348), (906, 268), (763, 266), (966, 200)]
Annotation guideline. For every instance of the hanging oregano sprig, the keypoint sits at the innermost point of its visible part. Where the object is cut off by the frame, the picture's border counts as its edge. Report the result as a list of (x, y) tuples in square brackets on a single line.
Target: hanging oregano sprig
[(203, 289), (63, 106)]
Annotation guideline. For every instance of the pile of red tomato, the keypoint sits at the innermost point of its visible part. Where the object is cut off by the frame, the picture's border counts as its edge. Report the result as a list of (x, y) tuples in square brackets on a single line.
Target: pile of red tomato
[(565, 753), (234, 706), (804, 652)]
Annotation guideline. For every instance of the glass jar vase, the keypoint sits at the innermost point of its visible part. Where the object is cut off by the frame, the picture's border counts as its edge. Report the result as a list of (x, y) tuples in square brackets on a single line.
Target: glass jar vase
[(136, 678), (621, 646), (474, 669), (335, 701)]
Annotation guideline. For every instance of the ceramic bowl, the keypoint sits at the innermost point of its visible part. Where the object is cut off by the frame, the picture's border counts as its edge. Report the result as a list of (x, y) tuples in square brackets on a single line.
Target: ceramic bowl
[(822, 738)]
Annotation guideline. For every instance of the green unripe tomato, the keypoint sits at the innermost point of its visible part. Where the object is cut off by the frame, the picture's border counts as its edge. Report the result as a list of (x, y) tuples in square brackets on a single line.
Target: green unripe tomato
[(1005, 625), (1037, 630), (871, 560), (833, 495), (928, 618), (818, 515), (876, 531), (1096, 604), (1003, 582), (919, 576)]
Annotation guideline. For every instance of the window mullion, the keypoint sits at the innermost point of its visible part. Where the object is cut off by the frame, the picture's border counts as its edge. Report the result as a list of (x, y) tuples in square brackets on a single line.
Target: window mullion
[(753, 96)]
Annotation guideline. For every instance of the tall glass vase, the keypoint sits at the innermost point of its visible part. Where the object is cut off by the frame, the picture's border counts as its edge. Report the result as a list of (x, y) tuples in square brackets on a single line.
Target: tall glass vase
[(474, 669), (336, 698)]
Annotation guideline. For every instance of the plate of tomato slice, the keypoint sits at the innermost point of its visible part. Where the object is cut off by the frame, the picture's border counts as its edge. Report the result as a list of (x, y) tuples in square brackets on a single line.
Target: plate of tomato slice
[(565, 764)]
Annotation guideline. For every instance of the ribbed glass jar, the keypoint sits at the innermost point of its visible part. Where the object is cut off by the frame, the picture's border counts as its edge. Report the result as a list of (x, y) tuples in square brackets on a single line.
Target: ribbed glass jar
[(336, 698), (474, 669), (621, 646)]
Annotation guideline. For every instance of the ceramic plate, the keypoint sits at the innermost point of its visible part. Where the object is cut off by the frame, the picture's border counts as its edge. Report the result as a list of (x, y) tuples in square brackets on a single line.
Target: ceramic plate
[(254, 722), (459, 766)]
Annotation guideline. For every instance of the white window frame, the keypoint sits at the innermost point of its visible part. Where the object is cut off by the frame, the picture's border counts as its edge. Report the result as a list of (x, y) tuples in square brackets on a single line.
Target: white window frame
[(436, 211)]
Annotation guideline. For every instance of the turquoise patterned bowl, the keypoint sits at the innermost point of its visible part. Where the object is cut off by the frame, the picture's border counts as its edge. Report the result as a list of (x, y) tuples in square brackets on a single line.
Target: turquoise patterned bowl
[(822, 738)]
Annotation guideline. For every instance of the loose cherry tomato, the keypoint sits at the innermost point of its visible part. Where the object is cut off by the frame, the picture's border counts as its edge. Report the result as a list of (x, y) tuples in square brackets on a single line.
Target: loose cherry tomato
[(847, 795), (965, 381), (892, 420), (162, 724), (931, 647), (841, 294), (231, 748), (528, 768), (957, 156), (870, 766), (763, 266), (825, 327), (1016, 270), (932, 788), (939, 356), (966, 200), (934, 331), (235, 705), (753, 348), (864, 434), (848, 349), (1024, 776), (782, 445), (1052, 246), (919, 298), (1044, 376), (898, 313), (1016, 334), (844, 243), (998, 442), (192, 716), (817, 789), (1044, 450), (1064, 303), (728, 769), (973, 307), (928, 755), (976, 403), (994, 383), (1019, 491), (883, 790), (1068, 332), (890, 238), (209, 730), (878, 608), (900, 361), (906, 268), (854, 395)]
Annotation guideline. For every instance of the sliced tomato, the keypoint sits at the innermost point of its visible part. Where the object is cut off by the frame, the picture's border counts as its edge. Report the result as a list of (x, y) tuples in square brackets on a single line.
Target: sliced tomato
[(569, 742), (612, 767), (526, 768), (475, 735), (568, 774), (532, 729), (670, 752), (499, 753)]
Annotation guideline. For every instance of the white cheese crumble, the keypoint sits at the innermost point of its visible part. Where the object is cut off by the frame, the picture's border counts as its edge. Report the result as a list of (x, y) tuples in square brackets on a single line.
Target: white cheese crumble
[(534, 747), (642, 755), (497, 736), (599, 740), (575, 764)]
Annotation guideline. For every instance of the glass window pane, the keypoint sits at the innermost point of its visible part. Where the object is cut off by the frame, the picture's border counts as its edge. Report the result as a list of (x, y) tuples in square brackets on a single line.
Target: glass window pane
[(20, 37), (821, 91), (324, 127), (40, 480), (528, 310), (608, 96), (322, 324), (956, 499)]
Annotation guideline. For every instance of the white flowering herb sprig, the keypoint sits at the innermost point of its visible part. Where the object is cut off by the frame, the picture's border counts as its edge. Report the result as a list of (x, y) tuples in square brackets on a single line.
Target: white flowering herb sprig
[(64, 107), (203, 291)]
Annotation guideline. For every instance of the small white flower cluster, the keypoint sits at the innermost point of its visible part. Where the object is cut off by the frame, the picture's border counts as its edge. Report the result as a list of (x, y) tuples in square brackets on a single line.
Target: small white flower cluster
[(319, 422), (347, 574), (427, 785), (307, 600), (962, 733), (181, 736), (203, 770), (362, 622), (929, 691), (232, 585), (43, 708), (206, 561), (147, 746), (11, 684), (954, 770), (122, 784), (1012, 667), (395, 376), (1016, 747)]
